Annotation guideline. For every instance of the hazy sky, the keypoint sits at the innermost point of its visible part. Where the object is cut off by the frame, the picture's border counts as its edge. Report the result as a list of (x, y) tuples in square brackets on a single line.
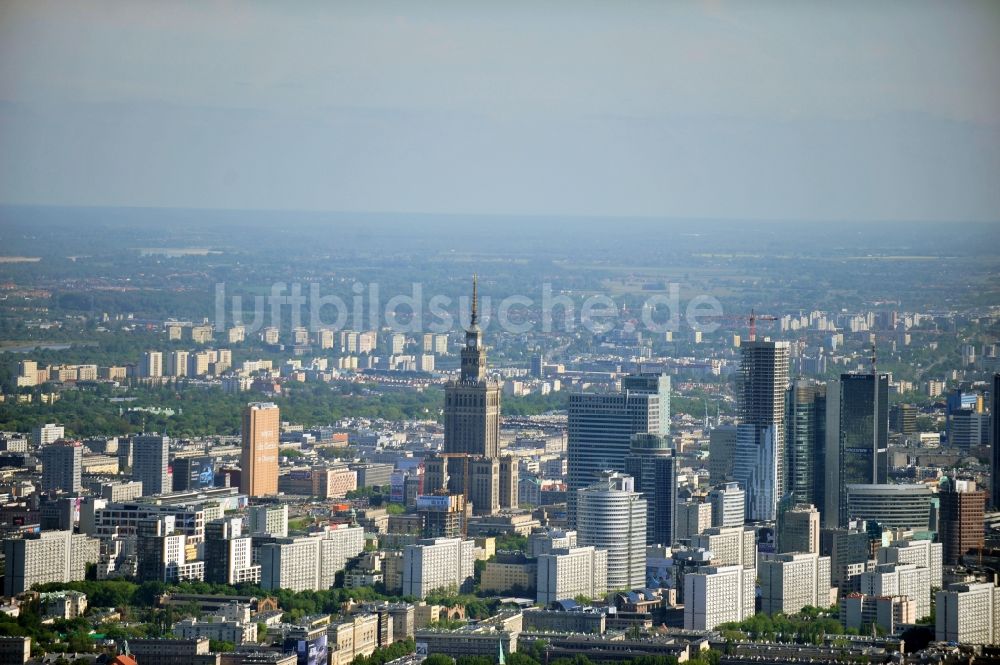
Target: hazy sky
[(794, 110)]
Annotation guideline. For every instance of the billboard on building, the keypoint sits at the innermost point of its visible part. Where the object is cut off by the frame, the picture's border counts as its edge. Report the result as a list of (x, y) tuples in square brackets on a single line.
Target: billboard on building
[(396, 483)]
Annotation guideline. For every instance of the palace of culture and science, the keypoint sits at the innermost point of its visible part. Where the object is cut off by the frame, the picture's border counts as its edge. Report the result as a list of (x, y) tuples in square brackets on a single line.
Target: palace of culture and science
[(471, 464)]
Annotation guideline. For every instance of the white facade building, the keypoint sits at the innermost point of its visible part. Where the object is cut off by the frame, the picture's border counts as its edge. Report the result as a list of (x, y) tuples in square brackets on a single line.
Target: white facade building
[(611, 516), (268, 520), (789, 582), (439, 563), (716, 595), (899, 580), (968, 614), (728, 503), (568, 573), (730, 546)]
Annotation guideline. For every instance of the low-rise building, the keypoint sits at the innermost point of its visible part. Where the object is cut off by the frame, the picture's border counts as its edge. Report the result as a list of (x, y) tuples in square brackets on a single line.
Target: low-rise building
[(510, 572), (358, 636), (63, 604), (860, 612)]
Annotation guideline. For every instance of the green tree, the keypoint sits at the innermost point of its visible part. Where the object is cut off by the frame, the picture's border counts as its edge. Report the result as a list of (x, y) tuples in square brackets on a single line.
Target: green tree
[(438, 659)]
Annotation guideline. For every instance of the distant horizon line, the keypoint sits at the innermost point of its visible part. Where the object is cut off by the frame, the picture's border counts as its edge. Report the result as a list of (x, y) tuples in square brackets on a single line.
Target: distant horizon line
[(523, 215)]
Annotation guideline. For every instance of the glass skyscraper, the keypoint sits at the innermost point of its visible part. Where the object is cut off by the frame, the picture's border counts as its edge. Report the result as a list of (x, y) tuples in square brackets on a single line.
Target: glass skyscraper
[(805, 436), (857, 439), (601, 426), (760, 436)]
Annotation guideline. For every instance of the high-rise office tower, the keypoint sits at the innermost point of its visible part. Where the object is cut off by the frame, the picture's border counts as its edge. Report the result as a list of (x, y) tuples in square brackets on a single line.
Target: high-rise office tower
[(193, 473), (43, 435), (151, 463), (798, 529), (652, 462), (995, 439), (228, 553), (960, 526), (612, 516), (857, 440), (728, 503), (62, 464), (721, 451), (259, 458), (163, 553), (601, 425), (806, 440), (472, 404), (693, 517), (903, 419), (760, 438)]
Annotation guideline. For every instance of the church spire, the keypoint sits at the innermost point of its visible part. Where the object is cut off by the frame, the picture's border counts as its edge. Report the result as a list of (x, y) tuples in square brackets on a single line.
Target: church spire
[(474, 319)]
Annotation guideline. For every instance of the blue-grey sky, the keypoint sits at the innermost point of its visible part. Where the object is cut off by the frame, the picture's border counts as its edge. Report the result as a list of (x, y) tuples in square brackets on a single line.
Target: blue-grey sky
[(770, 110)]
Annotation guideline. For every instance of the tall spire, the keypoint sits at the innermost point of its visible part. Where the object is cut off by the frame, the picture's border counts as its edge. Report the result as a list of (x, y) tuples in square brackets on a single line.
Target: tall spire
[(474, 319)]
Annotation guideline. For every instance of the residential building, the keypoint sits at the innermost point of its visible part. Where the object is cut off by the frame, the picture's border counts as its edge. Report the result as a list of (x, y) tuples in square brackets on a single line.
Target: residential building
[(693, 517), (730, 546), (152, 364), (151, 463), (163, 553), (229, 553), (968, 614), (892, 579), (268, 520), (62, 467), (791, 581), (717, 595), (921, 553), (567, 573), (49, 556), (439, 563), (888, 613), (290, 563)]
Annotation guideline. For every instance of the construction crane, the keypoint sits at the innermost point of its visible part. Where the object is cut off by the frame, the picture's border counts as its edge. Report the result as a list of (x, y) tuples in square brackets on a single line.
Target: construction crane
[(754, 316), (751, 319)]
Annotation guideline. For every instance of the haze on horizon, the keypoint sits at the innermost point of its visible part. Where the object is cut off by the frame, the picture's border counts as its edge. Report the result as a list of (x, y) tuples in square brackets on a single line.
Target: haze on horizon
[(765, 110)]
